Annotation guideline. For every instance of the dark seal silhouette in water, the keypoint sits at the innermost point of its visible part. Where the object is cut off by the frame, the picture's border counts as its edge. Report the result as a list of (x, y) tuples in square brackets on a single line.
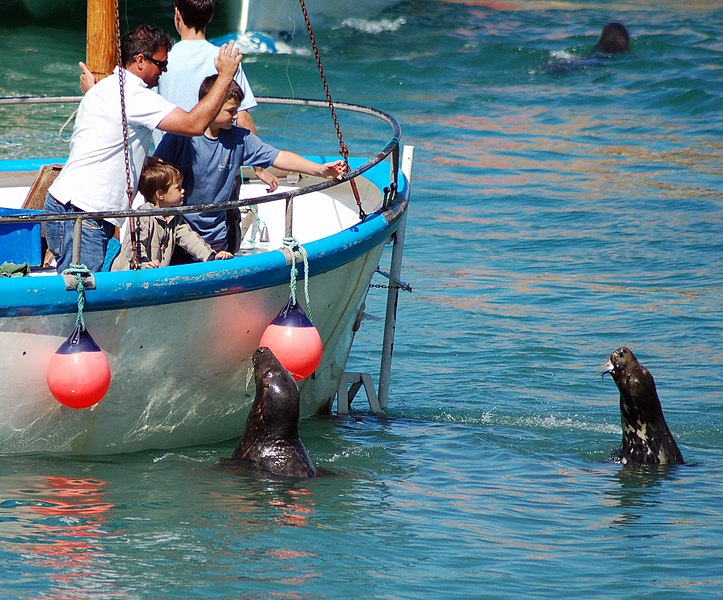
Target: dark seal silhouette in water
[(646, 437), (614, 39), (270, 442)]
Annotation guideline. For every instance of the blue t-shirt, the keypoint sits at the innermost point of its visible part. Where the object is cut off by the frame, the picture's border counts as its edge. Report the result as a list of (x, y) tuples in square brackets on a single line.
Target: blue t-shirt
[(209, 167)]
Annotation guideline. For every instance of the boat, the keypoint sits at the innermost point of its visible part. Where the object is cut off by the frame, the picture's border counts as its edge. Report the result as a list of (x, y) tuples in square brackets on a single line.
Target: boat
[(179, 339), (248, 16), (284, 16)]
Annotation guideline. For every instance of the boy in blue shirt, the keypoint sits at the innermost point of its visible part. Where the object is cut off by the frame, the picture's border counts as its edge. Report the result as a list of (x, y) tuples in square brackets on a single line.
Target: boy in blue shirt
[(210, 162)]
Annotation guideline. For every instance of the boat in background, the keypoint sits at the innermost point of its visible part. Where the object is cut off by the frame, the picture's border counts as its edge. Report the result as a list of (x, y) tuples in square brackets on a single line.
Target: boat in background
[(270, 28), (284, 16), (179, 339), (249, 17)]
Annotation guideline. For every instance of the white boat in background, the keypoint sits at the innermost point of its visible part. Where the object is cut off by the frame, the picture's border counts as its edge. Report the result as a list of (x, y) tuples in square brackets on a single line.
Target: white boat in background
[(179, 339), (285, 15), (262, 17)]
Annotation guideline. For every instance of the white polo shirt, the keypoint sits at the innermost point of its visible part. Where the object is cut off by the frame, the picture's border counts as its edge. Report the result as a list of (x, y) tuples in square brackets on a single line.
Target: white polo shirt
[(94, 177)]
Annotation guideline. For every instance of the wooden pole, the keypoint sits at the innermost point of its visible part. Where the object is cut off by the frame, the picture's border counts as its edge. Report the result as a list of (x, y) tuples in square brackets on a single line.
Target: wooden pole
[(100, 43)]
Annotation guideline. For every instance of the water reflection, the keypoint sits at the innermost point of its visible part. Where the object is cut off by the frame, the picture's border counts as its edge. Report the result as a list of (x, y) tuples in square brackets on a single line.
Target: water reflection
[(638, 491), (57, 524)]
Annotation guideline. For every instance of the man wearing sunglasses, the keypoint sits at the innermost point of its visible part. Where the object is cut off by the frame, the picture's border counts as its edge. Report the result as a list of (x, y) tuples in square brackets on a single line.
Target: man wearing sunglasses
[(94, 177)]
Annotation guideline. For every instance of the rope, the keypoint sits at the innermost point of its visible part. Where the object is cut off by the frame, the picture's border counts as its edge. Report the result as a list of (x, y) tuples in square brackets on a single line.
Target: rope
[(134, 223), (79, 271), (64, 125), (292, 244), (343, 148), (260, 227)]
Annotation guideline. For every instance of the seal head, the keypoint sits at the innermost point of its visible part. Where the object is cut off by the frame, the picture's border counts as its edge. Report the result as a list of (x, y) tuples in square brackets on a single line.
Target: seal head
[(614, 39), (271, 440), (646, 437)]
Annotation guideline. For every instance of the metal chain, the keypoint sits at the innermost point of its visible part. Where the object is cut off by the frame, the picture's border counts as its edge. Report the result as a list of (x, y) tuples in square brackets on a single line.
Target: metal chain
[(134, 223), (343, 148)]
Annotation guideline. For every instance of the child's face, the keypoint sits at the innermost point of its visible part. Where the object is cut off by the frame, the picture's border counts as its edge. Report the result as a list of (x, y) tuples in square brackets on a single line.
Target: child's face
[(173, 197), (226, 118)]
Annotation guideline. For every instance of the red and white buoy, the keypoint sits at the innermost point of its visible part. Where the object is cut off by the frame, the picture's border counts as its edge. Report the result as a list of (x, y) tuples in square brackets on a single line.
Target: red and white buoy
[(78, 374), (294, 340)]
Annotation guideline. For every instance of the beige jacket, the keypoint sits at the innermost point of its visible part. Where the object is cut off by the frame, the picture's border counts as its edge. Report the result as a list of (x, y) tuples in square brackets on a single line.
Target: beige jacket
[(158, 236)]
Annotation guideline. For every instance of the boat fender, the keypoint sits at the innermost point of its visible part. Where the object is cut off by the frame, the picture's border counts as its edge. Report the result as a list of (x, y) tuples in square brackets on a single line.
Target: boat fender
[(294, 340), (78, 374)]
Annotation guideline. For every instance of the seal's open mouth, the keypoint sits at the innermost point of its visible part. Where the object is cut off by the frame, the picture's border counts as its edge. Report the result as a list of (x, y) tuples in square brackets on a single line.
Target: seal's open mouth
[(609, 368)]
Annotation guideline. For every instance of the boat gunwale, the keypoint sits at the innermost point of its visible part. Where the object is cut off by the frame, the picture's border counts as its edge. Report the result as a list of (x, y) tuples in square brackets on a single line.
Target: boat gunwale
[(47, 295)]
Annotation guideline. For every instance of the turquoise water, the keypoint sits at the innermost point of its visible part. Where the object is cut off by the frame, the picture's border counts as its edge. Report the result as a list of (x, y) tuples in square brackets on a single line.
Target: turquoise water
[(558, 212)]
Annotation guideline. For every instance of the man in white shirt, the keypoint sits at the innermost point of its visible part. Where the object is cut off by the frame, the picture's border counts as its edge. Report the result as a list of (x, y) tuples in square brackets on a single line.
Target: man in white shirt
[(94, 177)]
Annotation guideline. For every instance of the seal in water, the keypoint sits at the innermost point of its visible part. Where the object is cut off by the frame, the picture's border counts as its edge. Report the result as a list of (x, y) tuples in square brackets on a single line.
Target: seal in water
[(271, 440), (614, 39), (646, 437)]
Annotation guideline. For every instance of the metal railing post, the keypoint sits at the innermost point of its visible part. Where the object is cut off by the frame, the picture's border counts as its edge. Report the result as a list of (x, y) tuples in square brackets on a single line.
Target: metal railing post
[(390, 320)]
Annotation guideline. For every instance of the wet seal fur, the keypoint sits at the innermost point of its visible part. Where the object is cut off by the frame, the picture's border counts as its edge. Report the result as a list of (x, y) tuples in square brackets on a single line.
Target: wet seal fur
[(646, 437), (270, 442)]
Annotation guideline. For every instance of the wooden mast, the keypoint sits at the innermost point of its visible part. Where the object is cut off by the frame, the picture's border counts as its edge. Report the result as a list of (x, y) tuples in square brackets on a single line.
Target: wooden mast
[(101, 43)]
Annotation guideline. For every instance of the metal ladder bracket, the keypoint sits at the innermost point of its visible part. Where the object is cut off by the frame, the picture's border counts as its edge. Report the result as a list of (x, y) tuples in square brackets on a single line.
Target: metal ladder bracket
[(349, 385)]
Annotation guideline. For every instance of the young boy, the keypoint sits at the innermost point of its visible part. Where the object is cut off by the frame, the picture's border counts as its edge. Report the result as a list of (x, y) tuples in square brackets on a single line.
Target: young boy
[(161, 186), (210, 163)]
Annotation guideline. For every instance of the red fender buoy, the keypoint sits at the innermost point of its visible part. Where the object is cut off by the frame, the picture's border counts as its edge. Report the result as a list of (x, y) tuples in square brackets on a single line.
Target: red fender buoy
[(294, 340), (78, 374)]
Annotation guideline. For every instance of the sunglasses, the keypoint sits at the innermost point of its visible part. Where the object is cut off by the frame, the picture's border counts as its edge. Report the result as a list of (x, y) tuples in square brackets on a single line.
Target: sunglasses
[(161, 64)]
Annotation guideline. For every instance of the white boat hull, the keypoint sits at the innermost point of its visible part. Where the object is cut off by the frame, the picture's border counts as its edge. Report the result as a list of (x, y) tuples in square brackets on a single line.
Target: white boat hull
[(181, 372)]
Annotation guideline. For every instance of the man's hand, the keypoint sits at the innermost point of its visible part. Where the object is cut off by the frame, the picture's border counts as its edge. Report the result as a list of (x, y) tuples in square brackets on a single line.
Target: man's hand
[(228, 59), (87, 79)]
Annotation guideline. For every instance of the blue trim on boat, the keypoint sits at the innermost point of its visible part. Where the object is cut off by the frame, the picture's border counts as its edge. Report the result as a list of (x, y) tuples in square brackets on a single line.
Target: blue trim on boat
[(46, 295), (29, 164)]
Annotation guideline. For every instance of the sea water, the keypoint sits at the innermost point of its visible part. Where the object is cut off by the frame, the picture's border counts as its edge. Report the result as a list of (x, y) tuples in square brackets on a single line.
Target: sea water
[(561, 207)]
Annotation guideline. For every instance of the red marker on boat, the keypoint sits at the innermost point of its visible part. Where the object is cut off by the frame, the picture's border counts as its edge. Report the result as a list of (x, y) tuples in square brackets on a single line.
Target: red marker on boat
[(294, 340), (78, 374)]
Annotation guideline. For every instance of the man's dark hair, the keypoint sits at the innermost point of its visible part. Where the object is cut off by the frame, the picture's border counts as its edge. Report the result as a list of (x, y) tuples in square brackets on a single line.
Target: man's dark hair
[(196, 14), (144, 39), (234, 90)]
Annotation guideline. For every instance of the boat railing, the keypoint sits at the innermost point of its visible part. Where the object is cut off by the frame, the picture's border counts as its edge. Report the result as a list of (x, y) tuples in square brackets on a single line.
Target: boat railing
[(390, 148)]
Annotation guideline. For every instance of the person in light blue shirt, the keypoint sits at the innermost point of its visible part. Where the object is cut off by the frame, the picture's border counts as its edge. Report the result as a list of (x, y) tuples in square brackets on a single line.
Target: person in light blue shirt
[(210, 162), (191, 60)]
